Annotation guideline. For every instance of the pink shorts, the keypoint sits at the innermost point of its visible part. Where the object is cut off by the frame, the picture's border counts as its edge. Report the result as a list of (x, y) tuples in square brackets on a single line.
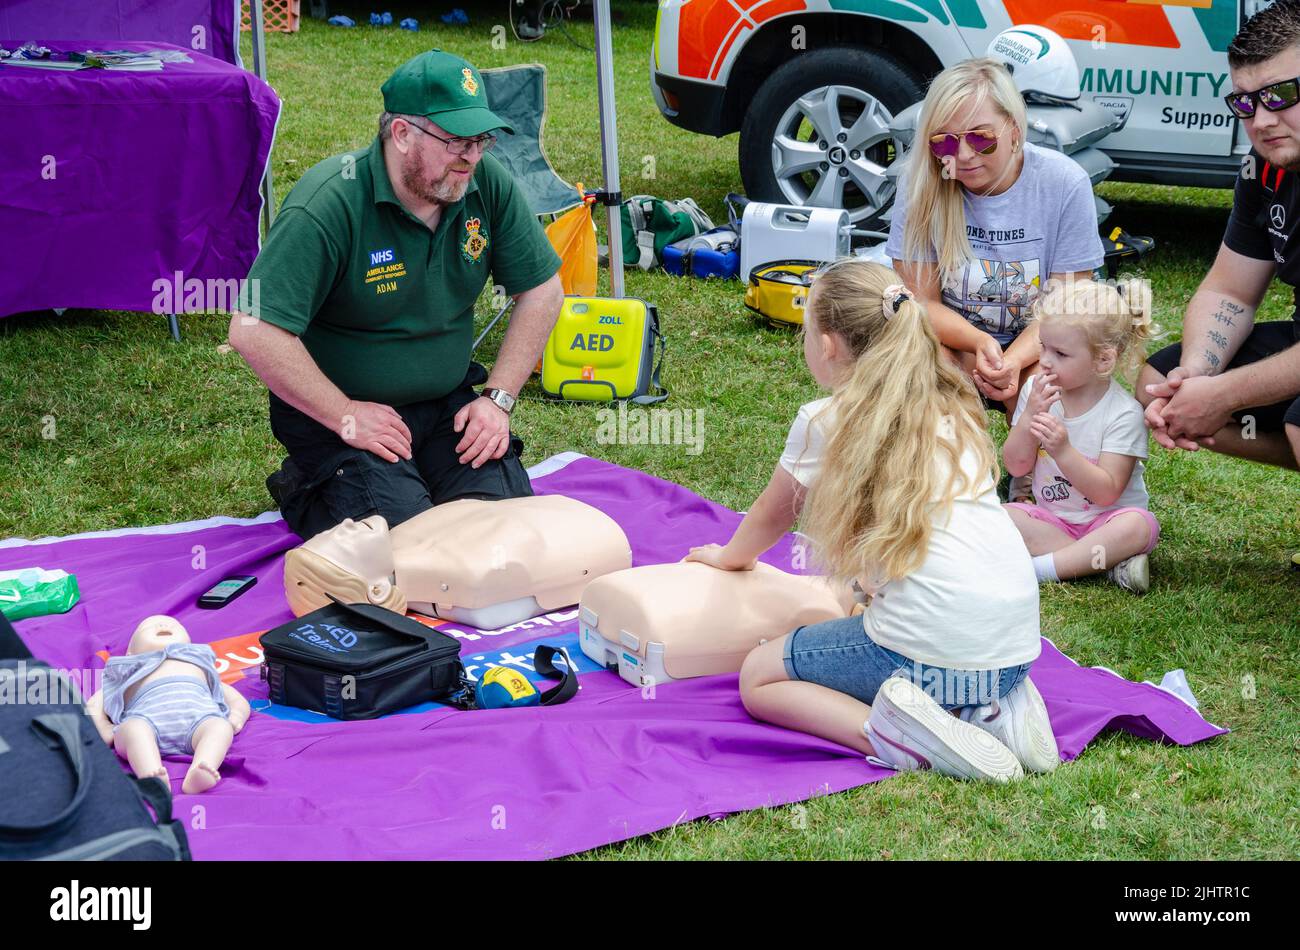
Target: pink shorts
[(1077, 531)]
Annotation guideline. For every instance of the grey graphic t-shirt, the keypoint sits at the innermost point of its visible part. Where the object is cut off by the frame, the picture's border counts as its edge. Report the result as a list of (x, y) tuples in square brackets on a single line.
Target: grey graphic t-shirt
[(1044, 224)]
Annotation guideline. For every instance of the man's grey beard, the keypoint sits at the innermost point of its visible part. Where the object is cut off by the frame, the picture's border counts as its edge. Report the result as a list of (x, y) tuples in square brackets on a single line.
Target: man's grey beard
[(443, 191)]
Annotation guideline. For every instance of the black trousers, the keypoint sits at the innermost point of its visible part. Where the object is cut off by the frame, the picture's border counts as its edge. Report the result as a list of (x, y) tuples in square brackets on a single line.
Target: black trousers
[(337, 481)]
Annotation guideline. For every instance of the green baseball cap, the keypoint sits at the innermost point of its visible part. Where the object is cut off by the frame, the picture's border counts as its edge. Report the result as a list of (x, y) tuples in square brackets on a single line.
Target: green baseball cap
[(444, 88)]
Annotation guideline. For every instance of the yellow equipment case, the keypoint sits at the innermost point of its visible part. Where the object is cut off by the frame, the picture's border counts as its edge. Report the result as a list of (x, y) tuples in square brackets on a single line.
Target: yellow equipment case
[(779, 290)]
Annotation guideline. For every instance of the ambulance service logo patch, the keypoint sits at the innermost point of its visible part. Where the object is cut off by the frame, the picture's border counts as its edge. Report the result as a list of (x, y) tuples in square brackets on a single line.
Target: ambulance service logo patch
[(468, 83), (476, 241)]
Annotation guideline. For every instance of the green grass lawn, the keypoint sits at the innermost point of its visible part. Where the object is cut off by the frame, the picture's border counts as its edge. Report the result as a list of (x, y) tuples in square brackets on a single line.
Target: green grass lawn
[(149, 431)]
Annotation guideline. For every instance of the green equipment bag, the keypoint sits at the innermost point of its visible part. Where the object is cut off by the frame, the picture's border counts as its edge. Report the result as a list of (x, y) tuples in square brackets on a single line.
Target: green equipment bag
[(650, 224)]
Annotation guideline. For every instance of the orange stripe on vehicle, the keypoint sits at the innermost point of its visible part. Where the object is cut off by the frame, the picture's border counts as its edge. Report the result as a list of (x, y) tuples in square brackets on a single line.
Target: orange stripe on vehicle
[(759, 14), (701, 29), (765, 11), (1134, 24), (705, 31), (721, 58)]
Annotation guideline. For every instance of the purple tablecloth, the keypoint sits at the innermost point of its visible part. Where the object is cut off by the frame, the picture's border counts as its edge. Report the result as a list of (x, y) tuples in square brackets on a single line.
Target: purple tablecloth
[(205, 25), (110, 181)]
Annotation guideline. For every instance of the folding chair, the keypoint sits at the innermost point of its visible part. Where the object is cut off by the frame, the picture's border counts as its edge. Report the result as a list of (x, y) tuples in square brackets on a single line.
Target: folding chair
[(518, 95)]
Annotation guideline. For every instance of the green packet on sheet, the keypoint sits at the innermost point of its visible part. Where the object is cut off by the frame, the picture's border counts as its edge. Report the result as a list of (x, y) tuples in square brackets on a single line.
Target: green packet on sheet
[(35, 592)]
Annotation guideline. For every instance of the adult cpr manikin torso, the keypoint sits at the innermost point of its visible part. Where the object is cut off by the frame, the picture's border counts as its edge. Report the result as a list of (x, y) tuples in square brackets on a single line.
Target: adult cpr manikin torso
[(664, 622), (484, 563)]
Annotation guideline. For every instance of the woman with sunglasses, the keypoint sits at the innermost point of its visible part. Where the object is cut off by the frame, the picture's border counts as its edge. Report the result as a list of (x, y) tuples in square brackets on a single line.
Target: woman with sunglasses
[(983, 220)]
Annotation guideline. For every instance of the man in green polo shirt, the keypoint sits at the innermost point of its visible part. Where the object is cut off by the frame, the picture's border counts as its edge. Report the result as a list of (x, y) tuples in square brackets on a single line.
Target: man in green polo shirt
[(367, 283)]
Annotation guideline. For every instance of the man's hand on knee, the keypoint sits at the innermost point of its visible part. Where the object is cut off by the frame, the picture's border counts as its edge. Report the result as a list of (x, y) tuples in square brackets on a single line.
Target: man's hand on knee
[(487, 432), (376, 428)]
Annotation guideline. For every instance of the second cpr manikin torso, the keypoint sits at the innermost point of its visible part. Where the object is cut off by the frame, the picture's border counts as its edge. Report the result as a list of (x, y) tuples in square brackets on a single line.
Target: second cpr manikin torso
[(487, 564), (662, 622)]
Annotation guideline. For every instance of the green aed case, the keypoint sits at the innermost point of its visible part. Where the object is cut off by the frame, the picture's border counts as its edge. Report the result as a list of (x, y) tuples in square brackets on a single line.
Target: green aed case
[(603, 349)]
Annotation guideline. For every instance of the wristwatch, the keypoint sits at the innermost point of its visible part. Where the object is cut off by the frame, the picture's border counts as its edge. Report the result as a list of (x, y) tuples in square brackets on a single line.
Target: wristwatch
[(503, 399)]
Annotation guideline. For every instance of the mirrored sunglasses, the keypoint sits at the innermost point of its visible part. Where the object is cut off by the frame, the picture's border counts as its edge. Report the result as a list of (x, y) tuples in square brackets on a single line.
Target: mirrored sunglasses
[(1274, 98), (946, 144)]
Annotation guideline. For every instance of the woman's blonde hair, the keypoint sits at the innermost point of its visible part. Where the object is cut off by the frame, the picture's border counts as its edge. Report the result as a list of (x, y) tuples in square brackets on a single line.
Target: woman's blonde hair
[(1117, 316), (901, 407), (936, 220)]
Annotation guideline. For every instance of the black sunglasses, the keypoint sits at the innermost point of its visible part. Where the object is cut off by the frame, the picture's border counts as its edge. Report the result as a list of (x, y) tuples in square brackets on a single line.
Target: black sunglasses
[(1274, 98)]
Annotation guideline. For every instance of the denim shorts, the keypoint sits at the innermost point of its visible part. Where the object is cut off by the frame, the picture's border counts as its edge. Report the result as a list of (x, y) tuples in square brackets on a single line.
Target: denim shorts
[(839, 655)]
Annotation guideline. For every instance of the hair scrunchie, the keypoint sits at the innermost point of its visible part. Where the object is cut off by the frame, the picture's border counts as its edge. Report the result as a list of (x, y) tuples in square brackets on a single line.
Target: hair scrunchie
[(892, 297)]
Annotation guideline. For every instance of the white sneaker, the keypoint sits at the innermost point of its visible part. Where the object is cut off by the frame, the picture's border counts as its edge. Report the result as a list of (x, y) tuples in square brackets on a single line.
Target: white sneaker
[(909, 730), (1019, 721), (1133, 574)]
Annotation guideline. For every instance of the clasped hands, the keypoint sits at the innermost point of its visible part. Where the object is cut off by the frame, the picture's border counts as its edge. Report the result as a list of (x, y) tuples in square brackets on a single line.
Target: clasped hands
[(996, 374), (1187, 410)]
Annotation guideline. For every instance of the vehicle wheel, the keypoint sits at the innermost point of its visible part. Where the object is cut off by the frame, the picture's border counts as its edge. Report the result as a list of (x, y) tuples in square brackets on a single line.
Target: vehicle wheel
[(817, 132)]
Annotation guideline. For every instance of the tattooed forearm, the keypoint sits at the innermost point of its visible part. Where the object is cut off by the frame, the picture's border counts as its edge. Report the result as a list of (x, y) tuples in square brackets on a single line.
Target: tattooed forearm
[(1214, 328), (1227, 310)]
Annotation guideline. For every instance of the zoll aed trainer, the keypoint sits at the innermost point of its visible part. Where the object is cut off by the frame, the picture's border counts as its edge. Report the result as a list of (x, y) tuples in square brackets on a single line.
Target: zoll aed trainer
[(602, 349)]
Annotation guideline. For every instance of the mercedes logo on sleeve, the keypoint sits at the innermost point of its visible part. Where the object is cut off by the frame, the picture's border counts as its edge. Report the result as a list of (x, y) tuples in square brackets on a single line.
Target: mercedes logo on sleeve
[(1277, 214)]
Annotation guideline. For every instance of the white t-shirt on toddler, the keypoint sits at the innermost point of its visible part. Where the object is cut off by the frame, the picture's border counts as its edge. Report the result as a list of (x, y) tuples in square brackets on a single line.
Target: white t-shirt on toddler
[(1116, 425), (973, 602)]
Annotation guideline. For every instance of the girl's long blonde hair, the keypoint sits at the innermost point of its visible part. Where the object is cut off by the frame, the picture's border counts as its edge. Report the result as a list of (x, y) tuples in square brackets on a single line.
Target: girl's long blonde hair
[(1116, 316), (901, 407), (936, 219)]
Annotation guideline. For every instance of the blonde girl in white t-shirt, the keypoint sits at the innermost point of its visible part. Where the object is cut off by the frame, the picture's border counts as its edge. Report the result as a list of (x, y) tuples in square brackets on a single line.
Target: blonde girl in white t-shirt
[(894, 477), (1083, 437)]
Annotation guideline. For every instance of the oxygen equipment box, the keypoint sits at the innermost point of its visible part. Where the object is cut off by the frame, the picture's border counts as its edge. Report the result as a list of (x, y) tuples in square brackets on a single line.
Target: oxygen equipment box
[(711, 254), (773, 232)]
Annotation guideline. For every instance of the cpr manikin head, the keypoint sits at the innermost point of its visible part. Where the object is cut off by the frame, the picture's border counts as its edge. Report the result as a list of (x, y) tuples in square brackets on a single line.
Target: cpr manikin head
[(157, 633), (353, 561)]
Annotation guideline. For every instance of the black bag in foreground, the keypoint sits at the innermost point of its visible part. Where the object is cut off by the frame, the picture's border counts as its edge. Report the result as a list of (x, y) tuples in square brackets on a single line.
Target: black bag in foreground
[(63, 793), (359, 661)]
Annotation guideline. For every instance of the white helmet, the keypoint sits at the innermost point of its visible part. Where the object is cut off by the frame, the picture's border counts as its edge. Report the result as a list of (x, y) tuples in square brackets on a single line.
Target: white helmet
[(1040, 62)]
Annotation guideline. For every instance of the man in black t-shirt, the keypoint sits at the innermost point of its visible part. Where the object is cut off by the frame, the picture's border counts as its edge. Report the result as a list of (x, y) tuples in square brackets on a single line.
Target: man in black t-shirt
[(1233, 385)]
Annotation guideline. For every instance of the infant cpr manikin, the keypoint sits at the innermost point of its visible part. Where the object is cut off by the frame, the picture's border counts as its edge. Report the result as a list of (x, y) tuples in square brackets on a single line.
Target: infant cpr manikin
[(664, 622), (487, 564), (165, 698)]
